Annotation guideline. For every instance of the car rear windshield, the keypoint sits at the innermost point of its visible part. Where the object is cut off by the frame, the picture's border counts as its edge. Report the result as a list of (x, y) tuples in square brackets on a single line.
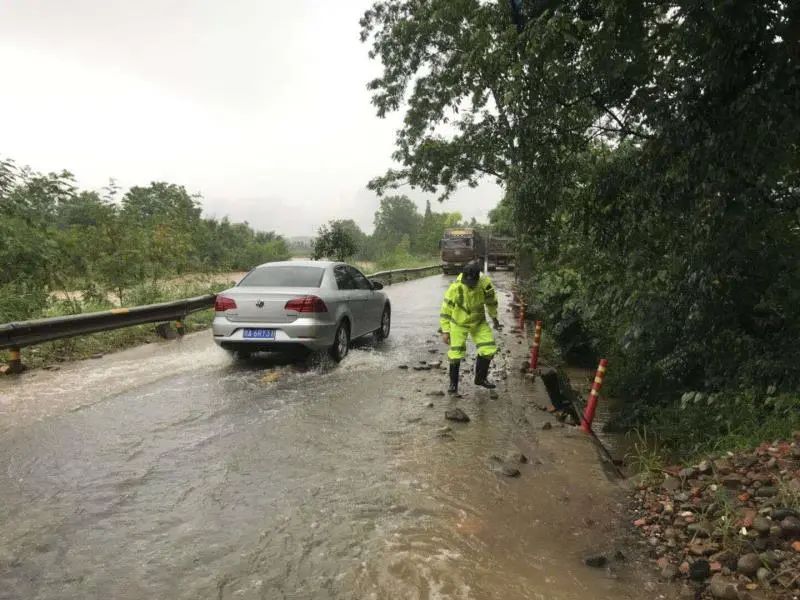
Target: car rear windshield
[(288, 276)]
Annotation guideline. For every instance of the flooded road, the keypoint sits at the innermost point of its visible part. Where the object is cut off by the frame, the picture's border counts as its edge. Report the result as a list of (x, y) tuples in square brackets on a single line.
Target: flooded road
[(170, 471)]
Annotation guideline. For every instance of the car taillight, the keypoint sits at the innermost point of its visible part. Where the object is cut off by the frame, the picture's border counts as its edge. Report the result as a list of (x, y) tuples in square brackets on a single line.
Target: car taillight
[(306, 304), (223, 303)]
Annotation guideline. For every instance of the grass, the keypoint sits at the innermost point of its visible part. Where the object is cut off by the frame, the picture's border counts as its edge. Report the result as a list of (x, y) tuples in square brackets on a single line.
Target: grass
[(403, 261), (646, 456), (789, 496), (723, 422), (722, 514), (689, 433)]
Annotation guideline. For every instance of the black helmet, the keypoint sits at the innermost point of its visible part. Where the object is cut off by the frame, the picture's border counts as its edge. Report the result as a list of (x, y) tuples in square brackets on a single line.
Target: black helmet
[(471, 273)]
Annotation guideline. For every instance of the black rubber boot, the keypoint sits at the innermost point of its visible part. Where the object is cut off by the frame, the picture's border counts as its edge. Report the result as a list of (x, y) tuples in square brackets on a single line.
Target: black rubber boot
[(454, 367), (482, 373)]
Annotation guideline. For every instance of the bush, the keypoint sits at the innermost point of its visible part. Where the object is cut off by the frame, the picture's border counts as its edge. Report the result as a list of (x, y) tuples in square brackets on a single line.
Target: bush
[(697, 423), (20, 301), (559, 301), (145, 293)]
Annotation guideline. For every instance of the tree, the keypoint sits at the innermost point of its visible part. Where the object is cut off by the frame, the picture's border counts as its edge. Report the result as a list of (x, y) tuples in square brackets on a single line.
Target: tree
[(433, 225), (501, 218), (58, 238), (622, 134), (161, 200), (396, 217), (336, 240), (354, 231)]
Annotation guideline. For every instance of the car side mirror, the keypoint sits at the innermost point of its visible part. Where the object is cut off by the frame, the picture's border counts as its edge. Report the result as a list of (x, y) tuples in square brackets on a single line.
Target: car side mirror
[(376, 285)]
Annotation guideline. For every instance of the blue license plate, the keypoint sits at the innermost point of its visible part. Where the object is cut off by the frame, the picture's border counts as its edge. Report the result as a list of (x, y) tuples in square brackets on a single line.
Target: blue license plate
[(261, 334)]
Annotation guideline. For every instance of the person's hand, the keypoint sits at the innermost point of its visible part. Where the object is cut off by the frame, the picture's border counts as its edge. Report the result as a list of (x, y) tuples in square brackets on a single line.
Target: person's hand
[(446, 337), (497, 324)]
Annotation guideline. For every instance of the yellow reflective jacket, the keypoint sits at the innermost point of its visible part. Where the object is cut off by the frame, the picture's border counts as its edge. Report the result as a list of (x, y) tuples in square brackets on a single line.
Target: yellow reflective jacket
[(464, 307)]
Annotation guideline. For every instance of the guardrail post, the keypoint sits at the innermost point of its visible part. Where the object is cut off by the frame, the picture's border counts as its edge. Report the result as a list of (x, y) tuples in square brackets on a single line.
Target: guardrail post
[(179, 328), (14, 365), (165, 331)]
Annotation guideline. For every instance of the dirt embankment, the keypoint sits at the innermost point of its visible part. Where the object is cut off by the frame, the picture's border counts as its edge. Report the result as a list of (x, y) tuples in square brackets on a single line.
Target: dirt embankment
[(184, 281)]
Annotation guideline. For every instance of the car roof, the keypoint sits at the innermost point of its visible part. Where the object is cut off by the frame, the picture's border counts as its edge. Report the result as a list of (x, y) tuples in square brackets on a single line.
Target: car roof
[(301, 263)]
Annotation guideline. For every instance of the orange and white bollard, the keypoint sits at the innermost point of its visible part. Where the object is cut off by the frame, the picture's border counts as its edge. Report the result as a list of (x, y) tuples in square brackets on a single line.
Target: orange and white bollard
[(537, 337), (594, 393)]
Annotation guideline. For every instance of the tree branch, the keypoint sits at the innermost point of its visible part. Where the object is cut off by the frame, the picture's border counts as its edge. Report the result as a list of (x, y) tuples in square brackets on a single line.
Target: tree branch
[(623, 128)]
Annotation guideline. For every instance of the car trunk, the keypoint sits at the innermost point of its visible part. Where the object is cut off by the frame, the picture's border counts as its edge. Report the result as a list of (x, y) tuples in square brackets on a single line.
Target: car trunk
[(274, 300)]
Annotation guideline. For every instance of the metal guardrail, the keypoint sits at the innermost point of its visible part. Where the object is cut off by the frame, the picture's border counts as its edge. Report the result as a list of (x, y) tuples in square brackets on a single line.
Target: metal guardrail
[(397, 275), (14, 336)]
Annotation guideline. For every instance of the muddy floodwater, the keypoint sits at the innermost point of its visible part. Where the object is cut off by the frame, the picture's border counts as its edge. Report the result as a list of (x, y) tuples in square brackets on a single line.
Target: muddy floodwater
[(171, 471)]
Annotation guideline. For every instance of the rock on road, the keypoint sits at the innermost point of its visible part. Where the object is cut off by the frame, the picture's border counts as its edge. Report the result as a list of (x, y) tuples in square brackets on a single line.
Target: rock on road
[(171, 471)]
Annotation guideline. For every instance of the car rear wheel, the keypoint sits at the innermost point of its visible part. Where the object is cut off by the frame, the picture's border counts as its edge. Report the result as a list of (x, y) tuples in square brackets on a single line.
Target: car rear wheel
[(386, 324), (341, 343)]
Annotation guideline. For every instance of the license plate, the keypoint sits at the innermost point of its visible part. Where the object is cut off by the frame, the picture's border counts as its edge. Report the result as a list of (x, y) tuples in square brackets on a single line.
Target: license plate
[(261, 334)]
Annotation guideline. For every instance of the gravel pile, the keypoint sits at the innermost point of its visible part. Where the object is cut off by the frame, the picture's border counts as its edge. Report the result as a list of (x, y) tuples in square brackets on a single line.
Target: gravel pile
[(729, 526)]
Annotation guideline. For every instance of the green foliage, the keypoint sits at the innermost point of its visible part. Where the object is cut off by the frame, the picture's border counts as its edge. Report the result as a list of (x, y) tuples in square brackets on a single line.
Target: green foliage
[(645, 455), (560, 301), (58, 238), (21, 300), (501, 219), (337, 240), (397, 217), (698, 423), (402, 236), (649, 158)]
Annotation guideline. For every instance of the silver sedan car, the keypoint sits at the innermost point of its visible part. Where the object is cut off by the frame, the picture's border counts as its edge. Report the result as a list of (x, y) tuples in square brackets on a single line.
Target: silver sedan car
[(311, 305)]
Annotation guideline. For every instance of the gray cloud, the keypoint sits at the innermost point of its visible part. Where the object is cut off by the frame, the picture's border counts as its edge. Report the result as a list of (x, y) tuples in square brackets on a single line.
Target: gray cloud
[(259, 106)]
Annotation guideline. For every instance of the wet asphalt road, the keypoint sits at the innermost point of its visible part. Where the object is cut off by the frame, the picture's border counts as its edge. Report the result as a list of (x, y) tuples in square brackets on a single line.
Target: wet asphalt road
[(171, 471)]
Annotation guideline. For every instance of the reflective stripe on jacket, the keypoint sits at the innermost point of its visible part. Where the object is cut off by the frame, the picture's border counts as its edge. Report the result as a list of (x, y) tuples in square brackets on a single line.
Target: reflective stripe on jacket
[(465, 307)]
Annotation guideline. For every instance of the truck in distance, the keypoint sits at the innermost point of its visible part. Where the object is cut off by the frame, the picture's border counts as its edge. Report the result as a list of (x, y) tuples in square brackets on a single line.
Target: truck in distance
[(460, 245), (500, 253)]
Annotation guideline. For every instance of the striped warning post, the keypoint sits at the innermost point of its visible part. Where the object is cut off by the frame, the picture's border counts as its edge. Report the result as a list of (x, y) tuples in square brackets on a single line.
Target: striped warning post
[(594, 393), (537, 336)]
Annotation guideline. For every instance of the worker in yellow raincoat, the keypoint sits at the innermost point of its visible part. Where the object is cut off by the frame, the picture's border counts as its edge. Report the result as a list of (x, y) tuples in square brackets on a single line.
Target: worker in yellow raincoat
[(463, 314)]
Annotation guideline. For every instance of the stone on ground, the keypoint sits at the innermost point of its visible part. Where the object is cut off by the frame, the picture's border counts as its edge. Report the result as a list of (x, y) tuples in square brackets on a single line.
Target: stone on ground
[(456, 414)]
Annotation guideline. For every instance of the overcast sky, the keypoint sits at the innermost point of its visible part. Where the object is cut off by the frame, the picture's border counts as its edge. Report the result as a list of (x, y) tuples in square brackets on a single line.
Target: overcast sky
[(259, 105)]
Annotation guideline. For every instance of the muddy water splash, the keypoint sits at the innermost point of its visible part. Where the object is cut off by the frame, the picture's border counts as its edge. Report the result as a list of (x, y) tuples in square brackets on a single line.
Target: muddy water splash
[(170, 471)]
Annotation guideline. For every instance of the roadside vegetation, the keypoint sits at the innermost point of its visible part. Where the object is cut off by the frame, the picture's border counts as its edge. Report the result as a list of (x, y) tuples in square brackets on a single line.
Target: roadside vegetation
[(403, 237), (649, 161), (67, 250)]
